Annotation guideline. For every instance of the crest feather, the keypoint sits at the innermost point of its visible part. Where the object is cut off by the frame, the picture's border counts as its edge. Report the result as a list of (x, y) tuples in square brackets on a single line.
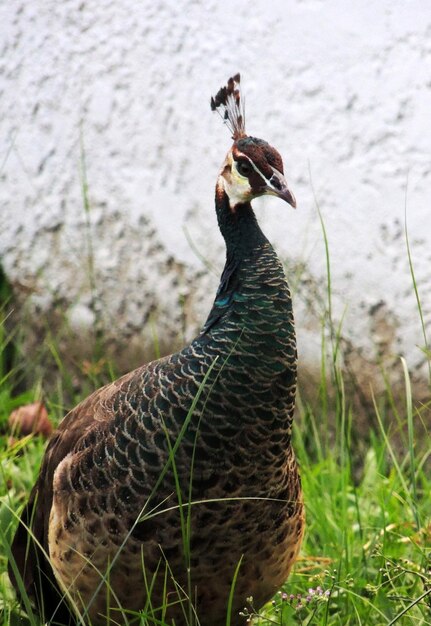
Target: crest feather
[(229, 105)]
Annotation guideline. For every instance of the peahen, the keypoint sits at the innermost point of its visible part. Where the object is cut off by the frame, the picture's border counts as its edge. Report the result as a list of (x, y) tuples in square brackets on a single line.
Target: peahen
[(176, 486)]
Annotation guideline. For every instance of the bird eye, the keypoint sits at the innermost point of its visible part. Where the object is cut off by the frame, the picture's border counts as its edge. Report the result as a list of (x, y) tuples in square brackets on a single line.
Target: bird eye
[(244, 168)]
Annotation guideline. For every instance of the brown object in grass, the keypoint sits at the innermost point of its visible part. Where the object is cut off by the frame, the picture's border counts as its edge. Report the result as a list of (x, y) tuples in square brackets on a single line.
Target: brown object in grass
[(30, 418)]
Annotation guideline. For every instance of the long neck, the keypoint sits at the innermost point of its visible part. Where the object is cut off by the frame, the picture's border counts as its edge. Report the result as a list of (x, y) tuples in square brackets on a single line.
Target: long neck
[(250, 329), (238, 226), (250, 259)]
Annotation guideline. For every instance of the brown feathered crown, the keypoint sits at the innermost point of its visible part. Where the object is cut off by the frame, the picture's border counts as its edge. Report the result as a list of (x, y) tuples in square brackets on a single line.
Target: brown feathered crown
[(230, 106)]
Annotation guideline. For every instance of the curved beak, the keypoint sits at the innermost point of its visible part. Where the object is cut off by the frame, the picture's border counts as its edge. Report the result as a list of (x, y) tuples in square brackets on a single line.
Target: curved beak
[(277, 186)]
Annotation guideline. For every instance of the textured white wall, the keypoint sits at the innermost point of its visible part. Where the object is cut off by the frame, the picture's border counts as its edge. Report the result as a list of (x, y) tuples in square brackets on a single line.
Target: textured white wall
[(343, 90)]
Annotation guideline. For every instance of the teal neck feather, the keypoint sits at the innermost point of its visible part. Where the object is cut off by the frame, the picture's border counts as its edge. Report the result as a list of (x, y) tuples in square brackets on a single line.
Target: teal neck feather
[(244, 242)]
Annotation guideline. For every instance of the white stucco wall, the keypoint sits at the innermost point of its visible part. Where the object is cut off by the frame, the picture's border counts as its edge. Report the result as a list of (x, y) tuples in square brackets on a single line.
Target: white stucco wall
[(342, 89)]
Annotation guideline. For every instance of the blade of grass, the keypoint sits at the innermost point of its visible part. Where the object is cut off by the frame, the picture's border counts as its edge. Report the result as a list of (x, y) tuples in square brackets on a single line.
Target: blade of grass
[(409, 409), (415, 286), (397, 467), (231, 593)]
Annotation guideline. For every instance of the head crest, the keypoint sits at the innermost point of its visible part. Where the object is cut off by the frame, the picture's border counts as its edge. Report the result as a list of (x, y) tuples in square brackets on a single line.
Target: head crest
[(230, 107)]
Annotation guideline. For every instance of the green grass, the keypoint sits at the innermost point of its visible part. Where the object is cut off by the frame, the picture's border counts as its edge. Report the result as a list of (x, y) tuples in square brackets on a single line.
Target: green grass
[(366, 556)]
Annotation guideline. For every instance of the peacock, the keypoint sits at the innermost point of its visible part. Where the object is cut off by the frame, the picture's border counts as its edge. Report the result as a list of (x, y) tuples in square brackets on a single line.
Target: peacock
[(173, 492)]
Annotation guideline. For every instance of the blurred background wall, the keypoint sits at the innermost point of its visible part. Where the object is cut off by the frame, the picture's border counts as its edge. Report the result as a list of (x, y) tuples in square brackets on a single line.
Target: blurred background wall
[(109, 155)]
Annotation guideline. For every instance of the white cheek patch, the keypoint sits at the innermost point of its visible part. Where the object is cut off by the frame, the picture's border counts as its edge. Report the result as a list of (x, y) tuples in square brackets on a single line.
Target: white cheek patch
[(237, 189), (236, 186)]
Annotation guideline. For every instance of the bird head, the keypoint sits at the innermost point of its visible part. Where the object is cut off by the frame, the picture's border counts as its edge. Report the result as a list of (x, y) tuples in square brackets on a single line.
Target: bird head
[(252, 167)]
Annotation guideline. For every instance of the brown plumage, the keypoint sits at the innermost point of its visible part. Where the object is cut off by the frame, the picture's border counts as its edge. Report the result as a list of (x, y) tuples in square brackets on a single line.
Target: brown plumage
[(209, 425)]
